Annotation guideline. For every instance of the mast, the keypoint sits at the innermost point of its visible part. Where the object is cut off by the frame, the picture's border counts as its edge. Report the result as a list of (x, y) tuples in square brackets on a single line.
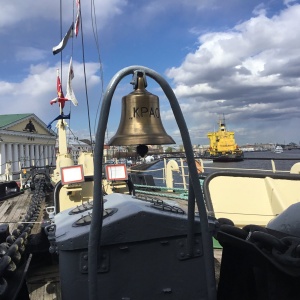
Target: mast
[(222, 126), (63, 158)]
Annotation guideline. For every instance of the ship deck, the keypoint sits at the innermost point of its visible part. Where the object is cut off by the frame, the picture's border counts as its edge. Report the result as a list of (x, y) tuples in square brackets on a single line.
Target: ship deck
[(43, 283), (42, 278), (14, 209)]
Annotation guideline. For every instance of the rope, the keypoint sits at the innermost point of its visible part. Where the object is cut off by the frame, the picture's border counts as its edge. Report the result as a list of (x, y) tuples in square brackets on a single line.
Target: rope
[(160, 188), (171, 195), (21, 222)]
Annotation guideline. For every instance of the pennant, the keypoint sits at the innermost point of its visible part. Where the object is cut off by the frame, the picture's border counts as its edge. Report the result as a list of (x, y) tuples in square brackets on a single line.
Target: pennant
[(64, 41), (70, 94), (77, 21), (62, 116)]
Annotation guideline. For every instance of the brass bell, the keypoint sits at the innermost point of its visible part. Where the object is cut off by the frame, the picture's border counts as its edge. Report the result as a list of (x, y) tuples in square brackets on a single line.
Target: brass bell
[(140, 119)]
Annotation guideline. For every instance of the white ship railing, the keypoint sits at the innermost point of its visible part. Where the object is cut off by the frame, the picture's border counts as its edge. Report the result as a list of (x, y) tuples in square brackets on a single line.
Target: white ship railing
[(182, 170)]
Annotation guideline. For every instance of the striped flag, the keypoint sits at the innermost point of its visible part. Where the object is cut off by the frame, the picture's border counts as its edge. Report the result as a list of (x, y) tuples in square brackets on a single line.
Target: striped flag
[(64, 41), (70, 94)]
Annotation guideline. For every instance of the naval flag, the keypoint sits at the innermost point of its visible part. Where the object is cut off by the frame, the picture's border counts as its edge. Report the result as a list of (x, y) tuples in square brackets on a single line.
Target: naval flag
[(64, 41), (60, 95), (60, 117)]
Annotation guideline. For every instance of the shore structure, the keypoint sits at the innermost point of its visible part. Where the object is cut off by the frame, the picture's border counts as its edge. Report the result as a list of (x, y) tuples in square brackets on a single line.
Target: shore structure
[(25, 141)]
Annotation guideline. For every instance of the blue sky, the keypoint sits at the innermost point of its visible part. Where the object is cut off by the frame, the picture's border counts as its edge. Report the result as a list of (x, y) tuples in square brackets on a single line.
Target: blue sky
[(233, 57)]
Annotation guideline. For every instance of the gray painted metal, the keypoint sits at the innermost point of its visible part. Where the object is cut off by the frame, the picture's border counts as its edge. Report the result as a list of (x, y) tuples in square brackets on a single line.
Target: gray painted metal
[(144, 252)]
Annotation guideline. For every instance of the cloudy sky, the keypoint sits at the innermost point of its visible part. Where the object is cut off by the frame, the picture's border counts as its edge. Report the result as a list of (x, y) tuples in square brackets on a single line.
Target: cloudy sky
[(233, 57)]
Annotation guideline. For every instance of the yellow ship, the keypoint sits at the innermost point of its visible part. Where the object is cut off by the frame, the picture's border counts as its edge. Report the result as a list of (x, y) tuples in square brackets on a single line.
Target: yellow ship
[(222, 146)]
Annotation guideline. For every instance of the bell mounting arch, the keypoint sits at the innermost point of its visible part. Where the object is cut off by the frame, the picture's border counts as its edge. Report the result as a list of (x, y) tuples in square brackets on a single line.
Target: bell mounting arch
[(195, 192)]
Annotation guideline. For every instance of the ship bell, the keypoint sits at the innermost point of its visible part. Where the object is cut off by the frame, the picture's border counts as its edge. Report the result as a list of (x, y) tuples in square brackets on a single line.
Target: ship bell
[(140, 118)]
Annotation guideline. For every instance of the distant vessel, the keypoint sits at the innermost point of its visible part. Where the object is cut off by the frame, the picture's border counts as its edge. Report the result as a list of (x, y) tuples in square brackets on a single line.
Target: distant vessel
[(278, 149), (223, 147)]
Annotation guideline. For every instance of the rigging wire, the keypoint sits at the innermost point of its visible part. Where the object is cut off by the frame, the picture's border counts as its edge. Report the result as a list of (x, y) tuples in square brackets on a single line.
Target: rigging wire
[(72, 52), (95, 30), (60, 21), (84, 71), (95, 33)]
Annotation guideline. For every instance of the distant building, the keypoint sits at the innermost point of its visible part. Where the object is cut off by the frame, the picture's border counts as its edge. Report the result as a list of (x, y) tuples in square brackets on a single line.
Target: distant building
[(76, 146), (25, 140)]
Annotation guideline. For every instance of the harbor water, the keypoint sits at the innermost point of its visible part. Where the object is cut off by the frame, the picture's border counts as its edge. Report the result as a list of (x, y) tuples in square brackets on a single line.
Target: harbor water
[(261, 160), (254, 162)]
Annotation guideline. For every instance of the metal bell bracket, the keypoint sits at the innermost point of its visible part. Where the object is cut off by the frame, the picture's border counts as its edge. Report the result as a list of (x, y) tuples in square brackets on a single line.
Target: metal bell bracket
[(136, 74)]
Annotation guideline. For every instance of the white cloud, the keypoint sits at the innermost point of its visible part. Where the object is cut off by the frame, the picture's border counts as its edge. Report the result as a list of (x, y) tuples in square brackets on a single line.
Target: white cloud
[(30, 54), (195, 90), (34, 93), (249, 71), (251, 45), (20, 12), (250, 68)]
